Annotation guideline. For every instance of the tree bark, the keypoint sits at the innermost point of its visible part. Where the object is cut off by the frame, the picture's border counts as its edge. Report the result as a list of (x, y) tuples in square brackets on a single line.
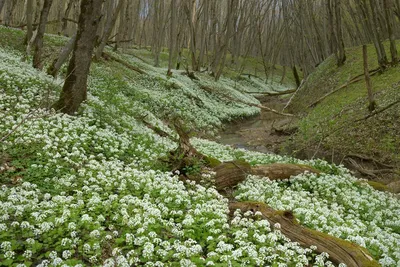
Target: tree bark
[(66, 15), (340, 251), (108, 29), (341, 57), (38, 42), (9, 11), (389, 22), (2, 5), (62, 58), (230, 174), (29, 21), (371, 100), (296, 75), (74, 91), (172, 38)]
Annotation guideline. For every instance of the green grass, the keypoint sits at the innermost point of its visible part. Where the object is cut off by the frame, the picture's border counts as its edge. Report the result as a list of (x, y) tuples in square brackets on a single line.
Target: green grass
[(377, 136)]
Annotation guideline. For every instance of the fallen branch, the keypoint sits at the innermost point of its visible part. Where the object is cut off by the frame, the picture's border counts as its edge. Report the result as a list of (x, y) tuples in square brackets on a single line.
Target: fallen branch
[(363, 157), (129, 66), (211, 90), (360, 169), (287, 92), (353, 80), (375, 112), (340, 251), (122, 41), (158, 130), (294, 95)]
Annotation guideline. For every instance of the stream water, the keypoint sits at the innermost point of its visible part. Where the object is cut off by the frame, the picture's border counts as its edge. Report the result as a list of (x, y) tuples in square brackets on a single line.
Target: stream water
[(257, 133)]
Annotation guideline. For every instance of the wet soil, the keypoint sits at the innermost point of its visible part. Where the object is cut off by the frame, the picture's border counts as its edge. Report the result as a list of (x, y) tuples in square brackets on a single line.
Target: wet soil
[(259, 133)]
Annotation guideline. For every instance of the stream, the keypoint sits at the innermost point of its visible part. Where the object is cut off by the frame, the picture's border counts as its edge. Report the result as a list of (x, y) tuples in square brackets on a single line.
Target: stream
[(257, 133)]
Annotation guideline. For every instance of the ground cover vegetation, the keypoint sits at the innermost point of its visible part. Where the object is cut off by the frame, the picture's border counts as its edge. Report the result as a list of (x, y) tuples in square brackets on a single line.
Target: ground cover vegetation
[(93, 189)]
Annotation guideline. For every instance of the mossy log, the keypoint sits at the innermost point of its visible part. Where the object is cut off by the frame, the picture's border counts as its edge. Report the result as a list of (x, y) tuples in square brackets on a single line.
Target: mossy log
[(231, 173), (340, 251)]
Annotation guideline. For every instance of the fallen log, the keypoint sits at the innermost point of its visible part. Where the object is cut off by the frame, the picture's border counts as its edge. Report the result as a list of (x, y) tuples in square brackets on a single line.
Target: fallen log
[(351, 81), (281, 171), (340, 251), (287, 92), (230, 174), (129, 66)]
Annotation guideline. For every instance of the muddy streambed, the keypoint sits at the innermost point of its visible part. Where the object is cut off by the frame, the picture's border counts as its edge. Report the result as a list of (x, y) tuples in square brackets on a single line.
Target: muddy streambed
[(258, 133)]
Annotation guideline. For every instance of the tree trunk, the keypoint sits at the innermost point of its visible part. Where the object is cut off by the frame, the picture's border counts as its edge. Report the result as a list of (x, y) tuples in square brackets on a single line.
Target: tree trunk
[(2, 5), (66, 15), (382, 60), (172, 38), (62, 58), (74, 91), (389, 22), (29, 21), (296, 76), (283, 75), (341, 57), (371, 100), (9, 11), (38, 42), (108, 29)]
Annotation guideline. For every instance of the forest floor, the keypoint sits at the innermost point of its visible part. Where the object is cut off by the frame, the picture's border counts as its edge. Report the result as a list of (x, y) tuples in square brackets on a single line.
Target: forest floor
[(340, 129), (95, 188)]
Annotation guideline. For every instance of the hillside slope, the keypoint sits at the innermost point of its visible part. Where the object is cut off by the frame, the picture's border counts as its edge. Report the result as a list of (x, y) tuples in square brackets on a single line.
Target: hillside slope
[(330, 129), (93, 189)]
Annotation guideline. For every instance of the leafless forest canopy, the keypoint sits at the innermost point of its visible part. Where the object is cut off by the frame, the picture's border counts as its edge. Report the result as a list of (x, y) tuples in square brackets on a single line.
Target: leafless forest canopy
[(211, 34)]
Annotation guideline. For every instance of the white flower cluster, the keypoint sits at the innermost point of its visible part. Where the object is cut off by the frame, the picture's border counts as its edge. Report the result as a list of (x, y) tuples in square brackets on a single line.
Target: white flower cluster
[(338, 205), (88, 191)]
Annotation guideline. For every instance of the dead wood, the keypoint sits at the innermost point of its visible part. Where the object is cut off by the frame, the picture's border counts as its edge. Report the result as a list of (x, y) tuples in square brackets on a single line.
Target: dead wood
[(281, 171), (185, 155), (211, 90), (287, 92), (191, 75), (230, 174), (129, 66), (371, 159), (158, 130), (340, 251), (377, 111), (351, 81)]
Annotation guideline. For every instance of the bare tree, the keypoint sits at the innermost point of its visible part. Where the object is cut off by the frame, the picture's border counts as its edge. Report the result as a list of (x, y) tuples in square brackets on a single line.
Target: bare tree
[(62, 58), (388, 7), (111, 20), (2, 5), (29, 21), (74, 91), (38, 42), (371, 100), (172, 38)]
